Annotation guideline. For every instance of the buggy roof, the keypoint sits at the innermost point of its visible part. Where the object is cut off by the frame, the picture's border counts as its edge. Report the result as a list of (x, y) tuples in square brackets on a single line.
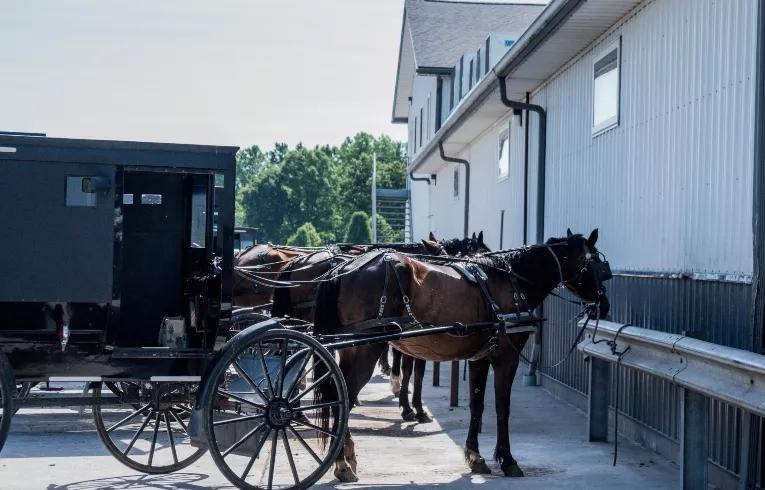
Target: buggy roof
[(128, 153)]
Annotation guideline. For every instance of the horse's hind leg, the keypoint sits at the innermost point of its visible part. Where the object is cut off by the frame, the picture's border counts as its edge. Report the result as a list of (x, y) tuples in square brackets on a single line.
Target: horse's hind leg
[(384, 364), (357, 365), (395, 373), (479, 372), (419, 374), (505, 364), (407, 413)]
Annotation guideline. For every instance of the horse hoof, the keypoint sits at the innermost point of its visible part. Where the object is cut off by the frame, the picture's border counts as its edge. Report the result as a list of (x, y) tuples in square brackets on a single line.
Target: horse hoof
[(395, 385), (512, 470), (346, 475), (409, 416), (424, 418), (476, 463)]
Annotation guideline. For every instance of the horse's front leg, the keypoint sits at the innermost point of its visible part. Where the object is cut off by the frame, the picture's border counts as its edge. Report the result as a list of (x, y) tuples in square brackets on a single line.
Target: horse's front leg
[(479, 372), (407, 363), (505, 364), (384, 364), (395, 373), (419, 374)]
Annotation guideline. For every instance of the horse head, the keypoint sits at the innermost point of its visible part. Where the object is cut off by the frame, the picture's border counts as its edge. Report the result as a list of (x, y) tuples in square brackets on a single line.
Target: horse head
[(582, 268)]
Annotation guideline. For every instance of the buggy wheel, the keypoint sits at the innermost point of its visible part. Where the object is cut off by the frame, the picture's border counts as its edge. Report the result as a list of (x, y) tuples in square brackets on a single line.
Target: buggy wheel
[(7, 389), (275, 410), (148, 431)]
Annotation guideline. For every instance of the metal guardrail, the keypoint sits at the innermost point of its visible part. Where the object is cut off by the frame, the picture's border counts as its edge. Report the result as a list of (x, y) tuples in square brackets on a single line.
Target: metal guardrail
[(701, 369)]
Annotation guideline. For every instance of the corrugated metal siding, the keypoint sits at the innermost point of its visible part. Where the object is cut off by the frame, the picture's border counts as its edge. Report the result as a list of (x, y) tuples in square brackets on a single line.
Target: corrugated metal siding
[(671, 186)]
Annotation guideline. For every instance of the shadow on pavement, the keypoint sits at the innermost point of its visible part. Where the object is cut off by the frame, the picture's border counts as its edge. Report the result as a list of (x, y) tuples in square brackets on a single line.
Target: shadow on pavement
[(170, 481)]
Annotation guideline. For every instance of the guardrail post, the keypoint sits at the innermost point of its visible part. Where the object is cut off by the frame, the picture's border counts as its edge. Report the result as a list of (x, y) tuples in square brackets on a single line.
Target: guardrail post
[(436, 373), (454, 387), (694, 439), (600, 382)]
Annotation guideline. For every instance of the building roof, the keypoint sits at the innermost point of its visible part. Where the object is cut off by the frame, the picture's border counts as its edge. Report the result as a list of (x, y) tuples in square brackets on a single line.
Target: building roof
[(563, 30), (435, 33)]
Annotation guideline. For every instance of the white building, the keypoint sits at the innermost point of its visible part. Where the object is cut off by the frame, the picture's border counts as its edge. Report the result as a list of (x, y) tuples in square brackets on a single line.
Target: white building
[(654, 134)]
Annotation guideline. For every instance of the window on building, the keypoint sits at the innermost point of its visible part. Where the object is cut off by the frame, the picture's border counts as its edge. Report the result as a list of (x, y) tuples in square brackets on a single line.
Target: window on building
[(605, 89), (420, 128), (503, 154), (414, 147), (456, 183), (427, 128)]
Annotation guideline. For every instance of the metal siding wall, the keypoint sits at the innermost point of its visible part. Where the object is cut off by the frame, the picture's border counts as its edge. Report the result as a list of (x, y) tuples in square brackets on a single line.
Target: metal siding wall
[(670, 190), (678, 169)]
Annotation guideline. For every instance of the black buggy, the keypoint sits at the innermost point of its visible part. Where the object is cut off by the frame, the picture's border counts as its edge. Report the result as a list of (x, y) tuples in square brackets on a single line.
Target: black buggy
[(116, 269)]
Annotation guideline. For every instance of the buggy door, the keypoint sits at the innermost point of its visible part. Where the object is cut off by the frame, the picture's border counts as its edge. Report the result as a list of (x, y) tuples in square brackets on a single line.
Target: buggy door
[(154, 240)]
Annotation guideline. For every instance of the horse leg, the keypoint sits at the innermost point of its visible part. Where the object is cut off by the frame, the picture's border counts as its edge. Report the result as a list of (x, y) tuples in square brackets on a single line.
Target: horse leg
[(395, 373), (505, 366), (419, 374), (479, 373), (357, 365), (384, 364), (407, 364)]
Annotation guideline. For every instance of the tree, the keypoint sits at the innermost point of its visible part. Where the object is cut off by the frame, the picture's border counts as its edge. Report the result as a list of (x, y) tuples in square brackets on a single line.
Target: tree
[(305, 236), (385, 233), (358, 230)]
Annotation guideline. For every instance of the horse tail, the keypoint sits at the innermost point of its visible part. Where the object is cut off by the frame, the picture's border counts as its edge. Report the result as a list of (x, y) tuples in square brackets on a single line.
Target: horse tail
[(282, 302), (326, 317)]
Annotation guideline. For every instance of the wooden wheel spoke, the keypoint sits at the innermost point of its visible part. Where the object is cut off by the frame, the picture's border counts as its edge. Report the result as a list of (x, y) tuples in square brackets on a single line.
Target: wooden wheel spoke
[(317, 406), (128, 418), (172, 439), (255, 454), (289, 457), (138, 433), (238, 419), (242, 440), (180, 422), (249, 380), (241, 399), (314, 427), (282, 368), (265, 368), (312, 386), (154, 438), (305, 444), (308, 354), (273, 460)]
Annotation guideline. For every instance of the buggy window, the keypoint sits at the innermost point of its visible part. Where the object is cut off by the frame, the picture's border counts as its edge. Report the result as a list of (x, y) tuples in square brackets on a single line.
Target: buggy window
[(198, 232)]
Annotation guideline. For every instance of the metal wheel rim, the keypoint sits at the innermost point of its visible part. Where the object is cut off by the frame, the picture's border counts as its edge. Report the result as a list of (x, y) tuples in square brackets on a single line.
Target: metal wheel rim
[(275, 454), (163, 430)]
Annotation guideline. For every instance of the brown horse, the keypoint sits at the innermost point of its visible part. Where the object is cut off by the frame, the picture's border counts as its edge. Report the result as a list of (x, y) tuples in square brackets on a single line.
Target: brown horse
[(430, 294), (264, 259)]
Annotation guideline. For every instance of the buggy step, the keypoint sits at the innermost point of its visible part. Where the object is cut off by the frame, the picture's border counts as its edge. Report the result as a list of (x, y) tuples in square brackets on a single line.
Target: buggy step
[(160, 353)]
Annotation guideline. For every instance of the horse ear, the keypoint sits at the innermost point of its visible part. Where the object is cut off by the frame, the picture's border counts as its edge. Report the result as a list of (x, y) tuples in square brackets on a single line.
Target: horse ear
[(480, 237), (432, 237), (593, 238), (568, 233), (473, 236), (431, 247)]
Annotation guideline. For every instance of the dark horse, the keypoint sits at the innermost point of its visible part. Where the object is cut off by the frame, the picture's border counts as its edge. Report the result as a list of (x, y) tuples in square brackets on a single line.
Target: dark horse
[(439, 295)]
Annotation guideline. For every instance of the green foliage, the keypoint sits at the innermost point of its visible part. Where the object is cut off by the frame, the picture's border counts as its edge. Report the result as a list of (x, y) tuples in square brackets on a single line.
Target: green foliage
[(282, 189), (305, 236), (358, 230), (385, 233)]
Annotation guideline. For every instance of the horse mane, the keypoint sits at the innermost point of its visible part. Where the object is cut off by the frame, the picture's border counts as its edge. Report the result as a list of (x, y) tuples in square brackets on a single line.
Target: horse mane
[(452, 246)]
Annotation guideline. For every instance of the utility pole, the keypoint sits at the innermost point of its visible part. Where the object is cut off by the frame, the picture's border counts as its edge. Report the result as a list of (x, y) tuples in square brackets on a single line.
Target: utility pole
[(374, 197)]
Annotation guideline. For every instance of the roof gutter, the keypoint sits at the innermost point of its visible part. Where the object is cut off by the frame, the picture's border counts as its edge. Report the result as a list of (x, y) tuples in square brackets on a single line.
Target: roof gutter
[(418, 179), (460, 161), (524, 106)]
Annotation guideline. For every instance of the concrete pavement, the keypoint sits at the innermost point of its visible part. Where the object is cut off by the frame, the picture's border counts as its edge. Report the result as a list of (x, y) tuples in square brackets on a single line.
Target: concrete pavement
[(60, 450)]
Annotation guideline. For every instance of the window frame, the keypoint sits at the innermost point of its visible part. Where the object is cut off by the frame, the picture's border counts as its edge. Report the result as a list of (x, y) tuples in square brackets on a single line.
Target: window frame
[(613, 121), (456, 182), (504, 132)]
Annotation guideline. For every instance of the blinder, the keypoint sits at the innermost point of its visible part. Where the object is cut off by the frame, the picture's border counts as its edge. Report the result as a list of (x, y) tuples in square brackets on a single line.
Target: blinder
[(601, 270)]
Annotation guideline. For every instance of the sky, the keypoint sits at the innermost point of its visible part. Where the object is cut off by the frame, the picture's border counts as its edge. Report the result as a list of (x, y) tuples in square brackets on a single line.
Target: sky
[(232, 72)]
